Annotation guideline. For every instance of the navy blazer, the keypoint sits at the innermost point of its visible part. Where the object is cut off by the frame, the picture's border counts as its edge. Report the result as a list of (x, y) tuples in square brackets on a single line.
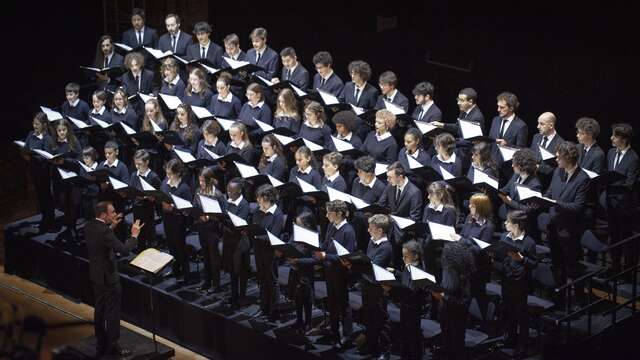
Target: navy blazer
[(333, 85), (399, 99), (184, 40), (433, 114), (517, 133), (629, 166), (571, 200), (409, 204), (299, 77), (149, 37), (593, 160), (367, 99), (214, 53), (146, 83), (269, 61), (115, 60)]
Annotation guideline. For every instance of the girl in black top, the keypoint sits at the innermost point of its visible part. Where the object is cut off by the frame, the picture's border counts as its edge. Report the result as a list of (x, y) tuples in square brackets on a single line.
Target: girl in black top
[(197, 92), (314, 127), (272, 161), (287, 115), (39, 169), (187, 128)]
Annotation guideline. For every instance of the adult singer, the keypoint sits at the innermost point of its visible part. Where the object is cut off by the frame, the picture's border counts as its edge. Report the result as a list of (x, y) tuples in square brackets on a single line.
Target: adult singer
[(102, 244)]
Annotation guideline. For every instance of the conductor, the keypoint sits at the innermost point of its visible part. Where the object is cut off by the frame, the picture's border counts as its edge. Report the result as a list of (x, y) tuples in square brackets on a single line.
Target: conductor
[(103, 245)]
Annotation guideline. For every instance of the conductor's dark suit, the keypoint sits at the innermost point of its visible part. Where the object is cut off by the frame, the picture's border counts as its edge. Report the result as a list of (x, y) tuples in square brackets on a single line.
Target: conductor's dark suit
[(103, 244)]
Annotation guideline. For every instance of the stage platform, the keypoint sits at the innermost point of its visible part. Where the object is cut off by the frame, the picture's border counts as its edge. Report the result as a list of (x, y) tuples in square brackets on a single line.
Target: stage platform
[(204, 323)]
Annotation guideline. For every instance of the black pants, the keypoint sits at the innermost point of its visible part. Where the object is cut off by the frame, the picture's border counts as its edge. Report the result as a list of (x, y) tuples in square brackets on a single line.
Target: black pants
[(42, 182), (175, 228), (338, 300), (453, 319), (106, 315), (516, 316), (566, 253), (209, 241), (411, 331), (266, 267), (145, 211), (376, 318), (235, 260), (620, 220)]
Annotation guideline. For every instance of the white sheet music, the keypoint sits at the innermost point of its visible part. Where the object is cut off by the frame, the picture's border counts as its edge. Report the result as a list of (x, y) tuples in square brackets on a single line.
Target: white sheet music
[(246, 171), (425, 127), (127, 129), (145, 185), (507, 152), (358, 203), (305, 186), (201, 112), (382, 274), (267, 82), (274, 240), (545, 154), (181, 203), (236, 220), (103, 124), (480, 177), (145, 98), (341, 145), (78, 123), (358, 110), (469, 129), (306, 236), (44, 154), (525, 193), (311, 145), (211, 153), (395, 109), (284, 140), (413, 163), (20, 143), (171, 101), (185, 156), (590, 173), (275, 182), (225, 123), (297, 90), (152, 260), (381, 168), (123, 46), (65, 174), (419, 274), (117, 184), (327, 98), (235, 63), (482, 244), (209, 69), (52, 115), (263, 125), (209, 205), (402, 221), (158, 54), (156, 127), (445, 174), (340, 250), (442, 232), (338, 195)]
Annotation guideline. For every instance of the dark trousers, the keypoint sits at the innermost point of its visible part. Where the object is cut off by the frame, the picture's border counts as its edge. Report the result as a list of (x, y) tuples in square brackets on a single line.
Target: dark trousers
[(338, 301), (209, 241), (566, 253), (453, 319), (175, 229), (235, 260), (145, 211), (411, 331), (301, 291), (266, 267), (41, 179), (106, 315), (620, 220), (516, 316), (376, 318)]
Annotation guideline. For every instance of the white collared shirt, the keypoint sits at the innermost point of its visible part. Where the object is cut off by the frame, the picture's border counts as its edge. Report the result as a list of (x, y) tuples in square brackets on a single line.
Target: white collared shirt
[(258, 105), (141, 35), (451, 160), (383, 136), (357, 94), (238, 146), (380, 241), (122, 112), (259, 53), (438, 208), (235, 202), (272, 209), (227, 98), (306, 171), (549, 138), (347, 137), (506, 126), (145, 173), (100, 112), (39, 136), (333, 177), (344, 221), (211, 144), (115, 163), (426, 106), (316, 126), (175, 80), (206, 49), (404, 184), (369, 185), (391, 96), (518, 238), (415, 153), (272, 157), (75, 103)]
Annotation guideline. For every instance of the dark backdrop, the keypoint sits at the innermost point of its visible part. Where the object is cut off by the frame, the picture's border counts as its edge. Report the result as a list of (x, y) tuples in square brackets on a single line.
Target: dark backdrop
[(571, 64)]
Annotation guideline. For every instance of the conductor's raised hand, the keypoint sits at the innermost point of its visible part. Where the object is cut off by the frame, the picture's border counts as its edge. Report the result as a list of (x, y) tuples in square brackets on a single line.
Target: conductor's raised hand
[(135, 228)]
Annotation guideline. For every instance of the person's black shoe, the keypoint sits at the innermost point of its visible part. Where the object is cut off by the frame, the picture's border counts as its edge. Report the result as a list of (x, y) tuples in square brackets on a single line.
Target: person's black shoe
[(119, 351), (384, 356)]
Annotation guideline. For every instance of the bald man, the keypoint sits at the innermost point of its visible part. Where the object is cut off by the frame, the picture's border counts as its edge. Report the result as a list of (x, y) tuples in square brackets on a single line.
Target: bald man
[(548, 139)]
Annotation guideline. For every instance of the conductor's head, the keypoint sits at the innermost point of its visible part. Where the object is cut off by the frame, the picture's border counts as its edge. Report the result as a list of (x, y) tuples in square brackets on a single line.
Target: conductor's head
[(105, 211)]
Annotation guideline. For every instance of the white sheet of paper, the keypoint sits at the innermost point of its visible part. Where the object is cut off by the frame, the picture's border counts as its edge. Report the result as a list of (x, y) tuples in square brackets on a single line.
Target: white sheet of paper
[(246, 171), (156, 127), (65, 174), (341, 145), (445, 174), (507, 152), (145, 98), (225, 123), (395, 109), (78, 123), (480, 177), (185, 156), (413, 163), (358, 203), (358, 110), (52, 115), (274, 240), (338, 195), (275, 182), (470, 129), (152, 260), (328, 99), (157, 53), (90, 68), (209, 69), (123, 46), (306, 236), (297, 90), (525, 193), (211, 153), (117, 184), (402, 221), (340, 250), (545, 154), (381, 168), (20, 143), (425, 127), (311, 145), (181, 203), (382, 274), (263, 125), (44, 154), (235, 63), (267, 82), (591, 174), (236, 220), (127, 129), (284, 140), (184, 61), (419, 274), (209, 205), (305, 186), (441, 232), (201, 112), (483, 244), (171, 101), (145, 185), (101, 123)]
